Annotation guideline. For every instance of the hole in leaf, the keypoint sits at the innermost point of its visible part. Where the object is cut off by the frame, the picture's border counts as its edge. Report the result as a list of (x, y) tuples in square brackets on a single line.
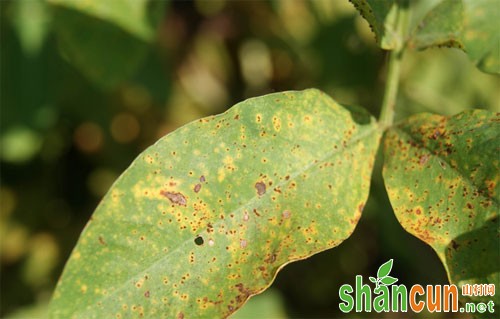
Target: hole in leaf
[(198, 241)]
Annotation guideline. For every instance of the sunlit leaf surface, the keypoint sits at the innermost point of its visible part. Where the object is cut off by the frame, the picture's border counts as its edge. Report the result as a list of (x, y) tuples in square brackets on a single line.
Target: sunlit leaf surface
[(207, 216)]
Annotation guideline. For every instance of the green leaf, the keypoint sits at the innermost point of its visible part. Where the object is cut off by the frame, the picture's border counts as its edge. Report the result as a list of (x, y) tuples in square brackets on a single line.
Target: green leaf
[(388, 280), (442, 178), (468, 24), (31, 22), (207, 216), (442, 26), (381, 16), (130, 15), (106, 40), (384, 269), (481, 37), (372, 279)]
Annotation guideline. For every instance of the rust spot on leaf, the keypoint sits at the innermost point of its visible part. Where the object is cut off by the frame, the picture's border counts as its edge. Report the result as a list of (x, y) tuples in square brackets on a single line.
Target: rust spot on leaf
[(244, 293), (101, 241), (360, 207), (261, 188), (146, 294), (243, 243), (454, 245), (175, 198), (271, 259), (286, 214), (423, 159), (197, 188)]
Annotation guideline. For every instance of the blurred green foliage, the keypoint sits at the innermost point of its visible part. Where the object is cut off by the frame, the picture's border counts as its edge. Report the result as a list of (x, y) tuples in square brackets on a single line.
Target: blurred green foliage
[(82, 92)]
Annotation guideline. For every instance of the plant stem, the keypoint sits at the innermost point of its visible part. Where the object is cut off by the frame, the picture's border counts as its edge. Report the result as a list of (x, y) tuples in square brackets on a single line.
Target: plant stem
[(394, 68)]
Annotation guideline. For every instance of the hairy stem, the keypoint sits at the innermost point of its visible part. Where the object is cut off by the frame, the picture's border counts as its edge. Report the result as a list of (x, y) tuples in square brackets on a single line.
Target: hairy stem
[(394, 67)]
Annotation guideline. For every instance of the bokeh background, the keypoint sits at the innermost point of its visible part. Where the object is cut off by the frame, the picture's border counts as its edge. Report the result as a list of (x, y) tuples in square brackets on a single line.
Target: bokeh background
[(81, 97)]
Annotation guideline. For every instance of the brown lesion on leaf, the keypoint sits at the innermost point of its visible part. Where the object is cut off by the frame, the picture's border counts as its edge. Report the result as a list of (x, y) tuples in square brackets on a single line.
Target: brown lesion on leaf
[(424, 235), (286, 214), (361, 207), (354, 221), (261, 188), (101, 241), (454, 245), (197, 188), (438, 132), (175, 198), (244, 293), (423, 159), (271, 258), (180, 315)]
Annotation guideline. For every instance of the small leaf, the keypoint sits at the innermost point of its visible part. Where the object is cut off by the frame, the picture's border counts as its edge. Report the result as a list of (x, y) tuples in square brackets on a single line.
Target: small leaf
[(471, 25), (207, 216), (372, 279), (106, 40), (442, 177), (381, 16), (388, 280), (384, 269), (481, 37), (31, 21), (131, 16), (442, 26)]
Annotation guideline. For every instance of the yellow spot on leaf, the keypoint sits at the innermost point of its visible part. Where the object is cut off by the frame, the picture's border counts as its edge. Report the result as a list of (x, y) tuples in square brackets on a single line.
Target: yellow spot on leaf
[(221, 174)]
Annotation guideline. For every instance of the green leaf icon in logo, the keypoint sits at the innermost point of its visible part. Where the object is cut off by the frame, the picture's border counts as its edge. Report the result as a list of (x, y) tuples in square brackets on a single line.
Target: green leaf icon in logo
[(384, 269), (383, 278), (387, 281)]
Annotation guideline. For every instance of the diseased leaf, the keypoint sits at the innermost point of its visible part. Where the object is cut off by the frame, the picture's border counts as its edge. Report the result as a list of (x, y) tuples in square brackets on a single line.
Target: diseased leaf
[(481, 37), (442, 26), (441, 175), (468, 24), (388, 280), (384, 269), (381, 16), (207, 216)]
